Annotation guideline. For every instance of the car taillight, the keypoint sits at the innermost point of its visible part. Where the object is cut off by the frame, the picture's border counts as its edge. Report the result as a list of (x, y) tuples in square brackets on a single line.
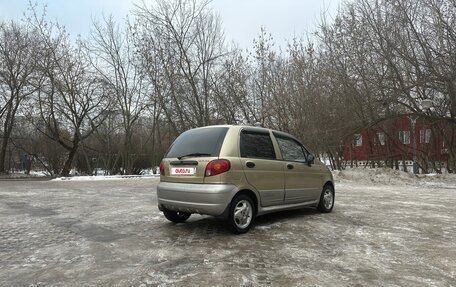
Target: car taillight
[(162, 168), (217, 166)]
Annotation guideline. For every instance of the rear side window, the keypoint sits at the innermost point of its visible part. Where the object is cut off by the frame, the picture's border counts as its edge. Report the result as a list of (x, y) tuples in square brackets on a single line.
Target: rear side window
[(256, 145), (198, 142)]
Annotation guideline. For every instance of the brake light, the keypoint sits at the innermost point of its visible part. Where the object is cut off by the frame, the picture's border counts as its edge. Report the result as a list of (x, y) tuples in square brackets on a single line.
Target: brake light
[(217, 166), (162, 168)]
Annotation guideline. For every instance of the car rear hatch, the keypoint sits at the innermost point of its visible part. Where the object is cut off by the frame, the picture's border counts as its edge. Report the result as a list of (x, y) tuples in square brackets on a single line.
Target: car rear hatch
[(190, 153)]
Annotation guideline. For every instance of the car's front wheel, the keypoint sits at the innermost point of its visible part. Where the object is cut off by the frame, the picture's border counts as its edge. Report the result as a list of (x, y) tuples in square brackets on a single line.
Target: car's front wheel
[(176, 216), (326, 203), (242, 212)]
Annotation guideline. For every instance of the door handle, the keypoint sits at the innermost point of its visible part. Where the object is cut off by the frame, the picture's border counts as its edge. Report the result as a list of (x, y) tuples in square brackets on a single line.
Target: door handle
[(290, 166), (250, 164)]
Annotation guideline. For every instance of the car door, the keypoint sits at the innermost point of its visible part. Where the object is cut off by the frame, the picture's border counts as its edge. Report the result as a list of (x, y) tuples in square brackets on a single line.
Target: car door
[(261, 168), (303, 181)]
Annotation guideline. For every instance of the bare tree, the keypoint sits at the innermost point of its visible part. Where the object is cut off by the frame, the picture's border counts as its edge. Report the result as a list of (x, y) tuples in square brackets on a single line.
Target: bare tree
[(111, 54), (390, 56), (71, 100), (17, 66), (183, 43), (232, 90)]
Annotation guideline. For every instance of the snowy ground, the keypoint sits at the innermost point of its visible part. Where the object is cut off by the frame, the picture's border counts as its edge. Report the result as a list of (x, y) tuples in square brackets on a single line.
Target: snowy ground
[(387, 229)]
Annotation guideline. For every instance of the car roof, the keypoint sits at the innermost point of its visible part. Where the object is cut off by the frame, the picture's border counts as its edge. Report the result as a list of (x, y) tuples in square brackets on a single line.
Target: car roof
[(253, 128)]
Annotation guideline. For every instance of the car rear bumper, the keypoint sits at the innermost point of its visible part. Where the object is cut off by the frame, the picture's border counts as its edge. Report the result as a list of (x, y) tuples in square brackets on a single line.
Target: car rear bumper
[(211, 199)]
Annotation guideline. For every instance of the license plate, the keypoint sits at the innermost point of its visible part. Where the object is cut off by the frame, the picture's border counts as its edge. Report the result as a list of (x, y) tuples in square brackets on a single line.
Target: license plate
[(183, 170)]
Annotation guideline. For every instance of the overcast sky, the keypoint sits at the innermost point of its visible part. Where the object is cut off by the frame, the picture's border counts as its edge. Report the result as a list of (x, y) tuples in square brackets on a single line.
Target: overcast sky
[(241, 19)]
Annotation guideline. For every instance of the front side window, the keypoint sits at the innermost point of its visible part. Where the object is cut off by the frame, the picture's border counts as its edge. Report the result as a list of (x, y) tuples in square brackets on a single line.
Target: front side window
[(256, 145), (291, 150)]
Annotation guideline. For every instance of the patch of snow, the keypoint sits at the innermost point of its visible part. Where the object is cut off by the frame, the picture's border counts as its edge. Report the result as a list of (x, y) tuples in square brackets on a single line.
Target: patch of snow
[(151, 171), (105, 177), (388, 176), (23, 174), (39, 173)]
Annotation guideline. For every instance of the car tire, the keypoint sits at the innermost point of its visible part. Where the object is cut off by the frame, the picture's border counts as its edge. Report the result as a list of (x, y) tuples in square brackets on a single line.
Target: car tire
[(242, 214), (176, 216), (327, 197)]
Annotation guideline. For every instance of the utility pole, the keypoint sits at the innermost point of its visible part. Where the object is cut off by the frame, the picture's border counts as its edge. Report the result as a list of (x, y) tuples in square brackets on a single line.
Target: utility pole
[(413, 122)]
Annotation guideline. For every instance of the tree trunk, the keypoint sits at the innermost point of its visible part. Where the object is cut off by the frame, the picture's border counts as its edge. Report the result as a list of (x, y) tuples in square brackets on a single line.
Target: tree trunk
[(3, 153), (127, 159), (6, 135), (67, 167)]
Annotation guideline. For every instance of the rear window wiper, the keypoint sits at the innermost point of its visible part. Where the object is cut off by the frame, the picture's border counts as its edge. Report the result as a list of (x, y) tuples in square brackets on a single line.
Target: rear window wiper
[(193, 154)]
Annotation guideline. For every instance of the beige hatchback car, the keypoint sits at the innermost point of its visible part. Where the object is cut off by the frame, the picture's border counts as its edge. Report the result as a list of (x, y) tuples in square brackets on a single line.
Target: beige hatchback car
[(240, 172)]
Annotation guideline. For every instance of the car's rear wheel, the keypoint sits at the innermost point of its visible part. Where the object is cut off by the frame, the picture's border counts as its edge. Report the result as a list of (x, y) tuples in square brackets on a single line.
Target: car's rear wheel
[(326, 203), (176, 216), (242, 212)]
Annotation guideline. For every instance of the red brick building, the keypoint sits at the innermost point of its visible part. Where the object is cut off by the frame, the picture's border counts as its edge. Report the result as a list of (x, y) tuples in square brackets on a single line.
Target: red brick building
[(395, 142)]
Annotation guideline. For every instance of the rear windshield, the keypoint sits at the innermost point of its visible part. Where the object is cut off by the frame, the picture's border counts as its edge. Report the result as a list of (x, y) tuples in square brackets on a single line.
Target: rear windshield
[(204, 142)]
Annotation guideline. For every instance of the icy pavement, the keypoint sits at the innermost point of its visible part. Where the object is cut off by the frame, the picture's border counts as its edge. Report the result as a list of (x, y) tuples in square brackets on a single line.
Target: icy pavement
[(385, 230)]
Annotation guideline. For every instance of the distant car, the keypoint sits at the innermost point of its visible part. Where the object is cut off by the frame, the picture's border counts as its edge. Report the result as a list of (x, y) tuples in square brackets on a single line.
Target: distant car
[(240, 172)]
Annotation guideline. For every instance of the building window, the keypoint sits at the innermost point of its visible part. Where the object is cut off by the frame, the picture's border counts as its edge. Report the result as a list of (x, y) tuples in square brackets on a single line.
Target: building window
[(425, 136), (380, 139), (404, 137), (357, 140)]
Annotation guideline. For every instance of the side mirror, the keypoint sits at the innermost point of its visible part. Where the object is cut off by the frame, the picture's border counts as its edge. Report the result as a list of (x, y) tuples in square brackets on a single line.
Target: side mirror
[(310, 159)]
